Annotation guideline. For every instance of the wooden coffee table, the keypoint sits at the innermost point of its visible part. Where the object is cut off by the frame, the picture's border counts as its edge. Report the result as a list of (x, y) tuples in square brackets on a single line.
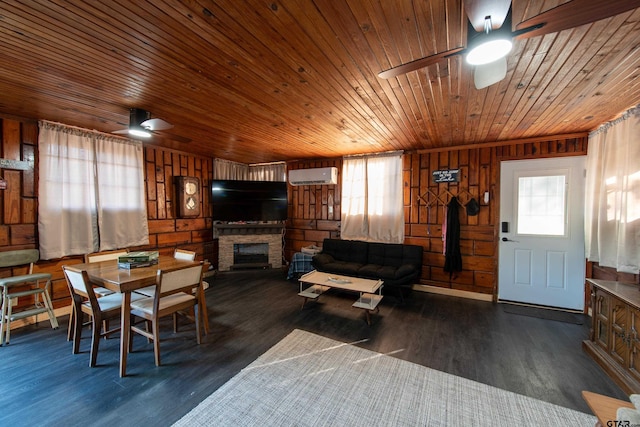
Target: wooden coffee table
[(315, 283)]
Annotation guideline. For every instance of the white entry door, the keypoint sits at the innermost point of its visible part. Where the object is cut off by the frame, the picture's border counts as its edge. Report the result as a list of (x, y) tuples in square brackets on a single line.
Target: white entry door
[(541, 253)]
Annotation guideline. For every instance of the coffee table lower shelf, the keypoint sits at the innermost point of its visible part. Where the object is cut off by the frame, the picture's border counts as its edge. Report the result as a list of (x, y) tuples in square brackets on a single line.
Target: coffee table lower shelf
[(367, 301)]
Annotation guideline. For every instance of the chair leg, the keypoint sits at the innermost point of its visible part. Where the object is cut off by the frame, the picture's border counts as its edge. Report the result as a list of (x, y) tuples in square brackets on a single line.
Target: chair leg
[(149, 328), (131, 334), (77, 334), (156, 340), (205, 317), (7, 319), (175, 323), (202, 305), (72, 325), (4, 301), (95, 341), (197, 318), (105, 326), (49, 306)]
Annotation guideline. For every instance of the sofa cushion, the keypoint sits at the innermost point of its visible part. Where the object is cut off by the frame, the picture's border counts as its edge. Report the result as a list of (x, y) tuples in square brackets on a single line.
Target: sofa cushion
[(386, 254), (387, 272), (346, 250), (342, 267)]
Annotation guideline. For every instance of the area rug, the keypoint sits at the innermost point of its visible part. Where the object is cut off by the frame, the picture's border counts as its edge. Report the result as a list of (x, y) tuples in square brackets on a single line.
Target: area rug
[(310, 380), (544, 313)]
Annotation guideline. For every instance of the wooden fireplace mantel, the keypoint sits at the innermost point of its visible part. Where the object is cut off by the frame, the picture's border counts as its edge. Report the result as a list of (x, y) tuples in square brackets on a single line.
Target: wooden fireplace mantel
[(239, 229)]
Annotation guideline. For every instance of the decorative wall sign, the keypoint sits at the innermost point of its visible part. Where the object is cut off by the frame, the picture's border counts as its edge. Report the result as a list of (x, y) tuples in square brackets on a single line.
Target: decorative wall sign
[(15, 164), (188, 195), (446, 175)]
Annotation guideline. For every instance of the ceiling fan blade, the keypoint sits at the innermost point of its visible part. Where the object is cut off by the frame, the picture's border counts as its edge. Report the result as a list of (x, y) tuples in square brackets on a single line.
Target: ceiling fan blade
[(121, 131), (156, 124), (488, 74), (419, 63), (573, 14), (478, 10)]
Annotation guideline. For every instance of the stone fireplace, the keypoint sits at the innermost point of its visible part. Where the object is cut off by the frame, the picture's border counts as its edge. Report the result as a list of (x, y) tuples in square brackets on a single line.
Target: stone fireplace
[(249, 246)]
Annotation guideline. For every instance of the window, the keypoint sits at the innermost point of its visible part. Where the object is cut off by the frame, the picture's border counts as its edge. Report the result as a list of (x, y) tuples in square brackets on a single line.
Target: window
[(542, 205), (372, 198), (90, 194)]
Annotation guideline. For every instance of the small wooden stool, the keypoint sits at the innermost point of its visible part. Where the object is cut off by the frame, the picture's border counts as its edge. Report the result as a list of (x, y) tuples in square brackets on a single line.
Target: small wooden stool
[(26, 285)]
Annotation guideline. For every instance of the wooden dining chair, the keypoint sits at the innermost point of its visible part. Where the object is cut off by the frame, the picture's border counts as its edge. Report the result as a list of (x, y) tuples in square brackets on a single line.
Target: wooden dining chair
[(150, 291), (98, 290), (100, 309), (191, 256), (173, 294)]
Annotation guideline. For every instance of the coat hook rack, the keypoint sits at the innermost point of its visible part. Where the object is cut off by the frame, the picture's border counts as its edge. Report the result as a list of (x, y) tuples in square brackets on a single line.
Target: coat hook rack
[(430, 198)]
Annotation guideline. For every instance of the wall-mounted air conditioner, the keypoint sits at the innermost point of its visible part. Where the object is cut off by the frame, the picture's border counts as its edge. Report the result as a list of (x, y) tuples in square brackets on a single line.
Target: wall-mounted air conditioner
[(315, 176)]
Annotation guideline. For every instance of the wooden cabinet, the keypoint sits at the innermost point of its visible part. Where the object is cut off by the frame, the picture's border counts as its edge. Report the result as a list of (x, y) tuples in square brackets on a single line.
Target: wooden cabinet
[(614, 340)]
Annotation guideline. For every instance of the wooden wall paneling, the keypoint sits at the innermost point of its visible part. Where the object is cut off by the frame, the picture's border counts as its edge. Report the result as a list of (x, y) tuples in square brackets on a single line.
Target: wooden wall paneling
[(150, 183), (159, 184), (167, 188), (29, 143), (12, 197)]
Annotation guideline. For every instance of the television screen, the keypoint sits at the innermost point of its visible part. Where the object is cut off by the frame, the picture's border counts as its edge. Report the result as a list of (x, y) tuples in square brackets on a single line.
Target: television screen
[(235, 200)]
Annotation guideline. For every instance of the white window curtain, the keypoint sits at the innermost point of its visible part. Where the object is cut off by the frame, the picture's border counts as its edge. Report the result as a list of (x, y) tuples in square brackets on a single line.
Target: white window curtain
[(122, 212), (372, 204), (226, 169), (612, 194), (268, 171), (90, 194)]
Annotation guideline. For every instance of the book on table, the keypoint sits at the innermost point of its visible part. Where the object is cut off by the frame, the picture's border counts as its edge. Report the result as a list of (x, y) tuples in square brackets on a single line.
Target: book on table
[(141, 256), (137, 264)]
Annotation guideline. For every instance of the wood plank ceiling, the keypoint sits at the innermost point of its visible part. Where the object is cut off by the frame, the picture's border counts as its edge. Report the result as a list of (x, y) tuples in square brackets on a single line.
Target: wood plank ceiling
[(269, 80)]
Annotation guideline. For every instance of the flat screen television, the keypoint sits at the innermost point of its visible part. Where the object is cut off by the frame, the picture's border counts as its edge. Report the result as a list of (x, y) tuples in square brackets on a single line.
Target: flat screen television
[(235, 200)]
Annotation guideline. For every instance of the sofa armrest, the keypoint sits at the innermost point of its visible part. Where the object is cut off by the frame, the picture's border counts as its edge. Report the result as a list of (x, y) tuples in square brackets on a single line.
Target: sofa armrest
[(406, 270), (321, 259)]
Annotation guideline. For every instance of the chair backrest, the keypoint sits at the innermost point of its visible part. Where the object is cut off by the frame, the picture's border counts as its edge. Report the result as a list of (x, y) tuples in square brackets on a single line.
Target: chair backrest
[(184, 254), (79, 286), (104, 256), (184, 279)]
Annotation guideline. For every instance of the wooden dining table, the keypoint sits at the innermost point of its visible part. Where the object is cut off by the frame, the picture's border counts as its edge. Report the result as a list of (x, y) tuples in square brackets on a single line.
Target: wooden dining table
[(125, 281)]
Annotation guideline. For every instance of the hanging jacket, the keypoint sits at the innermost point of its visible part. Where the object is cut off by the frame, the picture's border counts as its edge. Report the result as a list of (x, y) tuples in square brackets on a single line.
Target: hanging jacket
[(452, 256)]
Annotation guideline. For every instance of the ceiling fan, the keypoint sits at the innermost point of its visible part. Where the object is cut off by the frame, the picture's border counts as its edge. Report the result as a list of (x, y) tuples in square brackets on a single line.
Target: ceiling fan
[(142, 125), (488, 46)]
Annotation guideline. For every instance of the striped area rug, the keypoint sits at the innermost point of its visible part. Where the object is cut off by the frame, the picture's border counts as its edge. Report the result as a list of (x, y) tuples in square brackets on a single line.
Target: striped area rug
[(310, 380)]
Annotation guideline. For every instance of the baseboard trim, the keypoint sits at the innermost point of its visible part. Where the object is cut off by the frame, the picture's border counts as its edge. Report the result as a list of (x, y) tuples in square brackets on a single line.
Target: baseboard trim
[(453, 292)]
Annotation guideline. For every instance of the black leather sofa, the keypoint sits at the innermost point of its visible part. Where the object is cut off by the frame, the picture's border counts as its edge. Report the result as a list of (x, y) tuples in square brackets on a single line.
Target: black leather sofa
[(398, 265)]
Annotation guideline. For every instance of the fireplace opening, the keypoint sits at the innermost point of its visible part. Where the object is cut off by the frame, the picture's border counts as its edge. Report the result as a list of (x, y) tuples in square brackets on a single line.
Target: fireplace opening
[(250, 255)]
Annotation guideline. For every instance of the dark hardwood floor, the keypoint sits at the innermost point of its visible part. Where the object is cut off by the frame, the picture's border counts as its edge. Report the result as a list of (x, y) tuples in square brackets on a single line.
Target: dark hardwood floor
[(42, 383)]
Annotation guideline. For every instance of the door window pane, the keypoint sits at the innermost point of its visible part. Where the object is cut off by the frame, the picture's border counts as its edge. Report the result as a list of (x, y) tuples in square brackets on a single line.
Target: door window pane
[(541, 205)]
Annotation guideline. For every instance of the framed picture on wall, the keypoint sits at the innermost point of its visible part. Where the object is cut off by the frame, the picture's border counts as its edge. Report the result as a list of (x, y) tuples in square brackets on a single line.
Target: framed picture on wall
[(188, 196)]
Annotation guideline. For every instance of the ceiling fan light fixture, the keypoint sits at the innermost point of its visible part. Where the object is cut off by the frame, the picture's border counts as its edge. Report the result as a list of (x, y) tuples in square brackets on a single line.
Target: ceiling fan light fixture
[(488, 50), (139, 131)]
